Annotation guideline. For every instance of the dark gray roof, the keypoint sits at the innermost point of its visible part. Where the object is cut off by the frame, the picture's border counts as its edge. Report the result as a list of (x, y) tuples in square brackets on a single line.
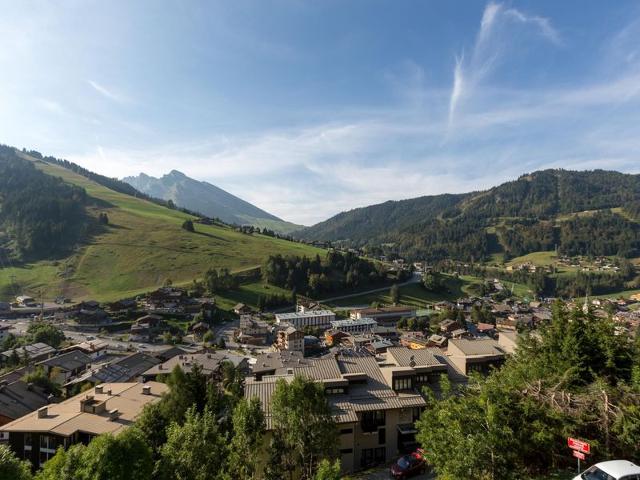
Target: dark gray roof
[(68, 361), (122, 370), (18, 399), (33, 350)]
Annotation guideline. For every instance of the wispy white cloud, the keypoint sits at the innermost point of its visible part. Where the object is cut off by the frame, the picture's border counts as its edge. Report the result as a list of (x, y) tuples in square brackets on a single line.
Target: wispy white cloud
[(489, 50), (108, 92)]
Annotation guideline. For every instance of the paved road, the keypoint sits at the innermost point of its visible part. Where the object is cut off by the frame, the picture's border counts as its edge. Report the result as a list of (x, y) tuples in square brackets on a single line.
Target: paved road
[(416, 278)]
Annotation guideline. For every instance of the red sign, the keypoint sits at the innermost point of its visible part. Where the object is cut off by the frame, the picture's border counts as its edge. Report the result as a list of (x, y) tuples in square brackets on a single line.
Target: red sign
[(578, 445), (578, 455)]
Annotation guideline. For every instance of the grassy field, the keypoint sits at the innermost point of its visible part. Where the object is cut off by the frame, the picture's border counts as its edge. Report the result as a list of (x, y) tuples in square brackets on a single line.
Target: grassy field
[(415, 295), (249, 294), (539, 259), (143, 245)]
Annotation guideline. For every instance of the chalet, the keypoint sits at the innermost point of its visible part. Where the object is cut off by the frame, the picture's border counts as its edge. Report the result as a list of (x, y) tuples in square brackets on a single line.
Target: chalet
[(447, 326), (34, 352), (92, 348), (461, 333), (124, 369), (200, 329), (65, 366), (334, 337), (253, 330), (92, 316), (487, 329), (242, 309)]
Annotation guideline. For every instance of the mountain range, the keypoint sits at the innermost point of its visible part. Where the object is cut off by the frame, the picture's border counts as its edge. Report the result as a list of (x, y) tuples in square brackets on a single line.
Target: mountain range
[(209, 200), (576, 212)]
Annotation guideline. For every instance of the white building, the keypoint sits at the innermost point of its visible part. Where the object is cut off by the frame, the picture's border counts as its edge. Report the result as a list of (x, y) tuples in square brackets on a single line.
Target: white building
[(314, 319)]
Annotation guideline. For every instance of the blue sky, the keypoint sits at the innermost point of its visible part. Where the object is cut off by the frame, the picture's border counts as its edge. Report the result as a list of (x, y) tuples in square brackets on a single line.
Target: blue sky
[(310, 108)]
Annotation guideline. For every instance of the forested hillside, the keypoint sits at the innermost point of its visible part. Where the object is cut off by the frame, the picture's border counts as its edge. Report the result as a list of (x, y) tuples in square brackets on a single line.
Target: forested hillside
[(40, 215), (582, 213)]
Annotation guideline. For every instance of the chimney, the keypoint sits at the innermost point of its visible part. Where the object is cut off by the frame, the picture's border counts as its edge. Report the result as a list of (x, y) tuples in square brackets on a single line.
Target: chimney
[(99, 388), (109, 392), (114, 414), (146, 390), (30, 386), (43, 412), (50, 398)]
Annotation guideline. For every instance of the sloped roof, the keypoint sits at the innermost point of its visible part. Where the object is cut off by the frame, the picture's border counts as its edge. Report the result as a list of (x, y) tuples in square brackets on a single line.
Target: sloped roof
[(66, 418), (18, 399)]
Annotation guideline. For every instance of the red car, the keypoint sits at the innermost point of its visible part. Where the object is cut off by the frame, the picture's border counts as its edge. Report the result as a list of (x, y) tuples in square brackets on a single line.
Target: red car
[(409, 465)]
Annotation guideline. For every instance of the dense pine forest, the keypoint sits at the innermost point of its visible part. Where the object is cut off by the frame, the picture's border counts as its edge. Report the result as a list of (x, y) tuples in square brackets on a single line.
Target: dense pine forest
[(580, 213), (40, 215), (316, 276)]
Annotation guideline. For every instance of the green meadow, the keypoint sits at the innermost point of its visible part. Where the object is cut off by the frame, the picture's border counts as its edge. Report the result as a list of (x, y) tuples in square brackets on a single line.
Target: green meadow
[(143, 246)]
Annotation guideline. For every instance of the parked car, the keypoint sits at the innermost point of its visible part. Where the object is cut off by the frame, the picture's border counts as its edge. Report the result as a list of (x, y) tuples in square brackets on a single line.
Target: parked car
[(611, 470), (409, 465)]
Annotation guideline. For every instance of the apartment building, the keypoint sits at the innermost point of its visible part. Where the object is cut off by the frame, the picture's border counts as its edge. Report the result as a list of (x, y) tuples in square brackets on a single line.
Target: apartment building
[(290, 339), (359, 325), (375, 415), (383, 315), (106, 408), (312, 318)]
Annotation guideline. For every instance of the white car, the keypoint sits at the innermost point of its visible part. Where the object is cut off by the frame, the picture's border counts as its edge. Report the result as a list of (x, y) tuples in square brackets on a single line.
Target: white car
[(611, 470)]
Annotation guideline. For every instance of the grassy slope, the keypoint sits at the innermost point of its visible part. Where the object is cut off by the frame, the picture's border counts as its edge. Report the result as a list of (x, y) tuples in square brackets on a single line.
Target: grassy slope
[(416, 296), (143, 246)]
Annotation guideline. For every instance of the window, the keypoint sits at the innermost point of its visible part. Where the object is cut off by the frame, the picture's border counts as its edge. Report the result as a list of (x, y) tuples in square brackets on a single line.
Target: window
[(346, 431), (372, 420), (382, 436), (416, 412), (334, 390), (27, 441), (372, 456), (403, 383), (594, 473), (346, 451)]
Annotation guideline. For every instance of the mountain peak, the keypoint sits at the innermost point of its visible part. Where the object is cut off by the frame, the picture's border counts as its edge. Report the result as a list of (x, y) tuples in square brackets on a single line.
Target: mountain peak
[(208, 199)]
